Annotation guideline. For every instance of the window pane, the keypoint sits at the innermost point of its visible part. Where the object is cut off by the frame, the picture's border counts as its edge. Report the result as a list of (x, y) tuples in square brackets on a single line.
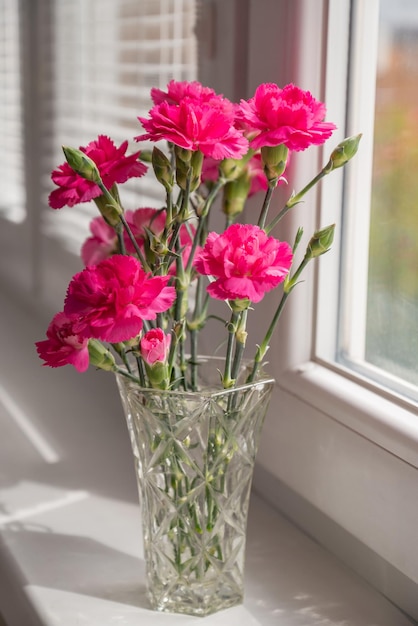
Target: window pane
[(392, 313)]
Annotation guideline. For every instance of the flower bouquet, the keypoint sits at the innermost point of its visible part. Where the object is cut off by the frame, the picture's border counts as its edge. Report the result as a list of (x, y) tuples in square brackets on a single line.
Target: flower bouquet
[(139, 306)]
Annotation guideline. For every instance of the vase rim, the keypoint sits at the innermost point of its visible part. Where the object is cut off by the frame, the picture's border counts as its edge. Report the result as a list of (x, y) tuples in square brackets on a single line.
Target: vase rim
[(207, 390)]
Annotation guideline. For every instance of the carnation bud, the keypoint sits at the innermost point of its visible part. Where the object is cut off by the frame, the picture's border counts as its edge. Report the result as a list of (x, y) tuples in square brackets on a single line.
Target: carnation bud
[(182, 173), (100, 356), (343, 153), (162, 169), (157, 246), (145, 156), (188, 166), (298, 238), (320, 242), (154, 348), (183, 154), (239, 305), (82, 164), (196, 163), (231, 169), (275, 160), (109, 212), (235, 195)]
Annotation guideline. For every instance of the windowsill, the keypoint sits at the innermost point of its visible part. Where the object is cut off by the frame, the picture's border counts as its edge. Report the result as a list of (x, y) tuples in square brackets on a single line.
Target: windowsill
[(70, 527), (84, 559), (341, 462)]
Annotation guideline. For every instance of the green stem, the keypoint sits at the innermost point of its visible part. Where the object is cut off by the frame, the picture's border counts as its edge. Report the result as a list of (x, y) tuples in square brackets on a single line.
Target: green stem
[(177, 342), (120, 350), (120, 370), (135, 244), (227, 380), (193, 358), (288, 286), (169, 218), (263, 347), (266, 205), (184, 196), (177, 493), (114, 203), (141, 371), (294, 200), (121, 241), (210, 510), (183, 365), (179, 318), (172, 355), (228, 221), (240, 337), (169, 208), (184, 210), (194, 328), (147, 324), (290, 283), (202, 220)]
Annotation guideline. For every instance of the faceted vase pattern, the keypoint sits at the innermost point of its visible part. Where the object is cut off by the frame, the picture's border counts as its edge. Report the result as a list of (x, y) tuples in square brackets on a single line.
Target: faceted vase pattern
[(194, 455)]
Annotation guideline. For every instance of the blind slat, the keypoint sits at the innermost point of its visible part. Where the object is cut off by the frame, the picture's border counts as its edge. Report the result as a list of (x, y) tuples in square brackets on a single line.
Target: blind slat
[(12, 200), (119, 50)]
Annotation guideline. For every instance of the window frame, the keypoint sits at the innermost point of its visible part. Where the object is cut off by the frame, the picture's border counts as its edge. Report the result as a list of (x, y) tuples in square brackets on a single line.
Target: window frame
[(341, 411), (307, 366), (297, 353)]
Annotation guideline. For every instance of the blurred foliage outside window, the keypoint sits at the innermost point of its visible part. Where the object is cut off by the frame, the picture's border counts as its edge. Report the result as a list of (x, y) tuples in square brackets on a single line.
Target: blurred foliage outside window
[(392, 313)]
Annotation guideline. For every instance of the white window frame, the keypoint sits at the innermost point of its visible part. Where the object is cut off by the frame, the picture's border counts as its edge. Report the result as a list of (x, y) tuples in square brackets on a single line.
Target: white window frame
[(307, 365)]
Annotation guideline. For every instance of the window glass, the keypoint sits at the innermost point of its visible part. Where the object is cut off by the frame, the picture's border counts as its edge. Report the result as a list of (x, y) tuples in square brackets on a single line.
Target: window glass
[(392, 304), (378, 322)]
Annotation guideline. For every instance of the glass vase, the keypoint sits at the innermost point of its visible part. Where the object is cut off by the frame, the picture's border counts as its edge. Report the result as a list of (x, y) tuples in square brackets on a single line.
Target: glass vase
[(194, 456)]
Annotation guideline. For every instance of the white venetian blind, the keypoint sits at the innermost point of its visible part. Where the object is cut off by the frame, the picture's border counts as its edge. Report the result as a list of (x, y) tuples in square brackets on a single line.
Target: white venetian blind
[(12, 198), (107, 54)]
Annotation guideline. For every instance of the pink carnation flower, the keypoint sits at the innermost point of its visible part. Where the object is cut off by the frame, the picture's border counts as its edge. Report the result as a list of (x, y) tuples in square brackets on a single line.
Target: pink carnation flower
[(195, 125), (64, 345), (141, 221), (244, 261), (179, 90), (113, 298), (154, 346), (113, 165), (288, 116), (102, 243), (210, 170)]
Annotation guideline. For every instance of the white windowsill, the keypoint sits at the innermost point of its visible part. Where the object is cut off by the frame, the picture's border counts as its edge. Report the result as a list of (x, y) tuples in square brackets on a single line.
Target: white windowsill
[(70, 549)]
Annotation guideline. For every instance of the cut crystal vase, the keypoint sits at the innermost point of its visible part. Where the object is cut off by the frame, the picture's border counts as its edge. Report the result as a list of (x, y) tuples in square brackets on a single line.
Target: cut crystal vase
[(194, 457)]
